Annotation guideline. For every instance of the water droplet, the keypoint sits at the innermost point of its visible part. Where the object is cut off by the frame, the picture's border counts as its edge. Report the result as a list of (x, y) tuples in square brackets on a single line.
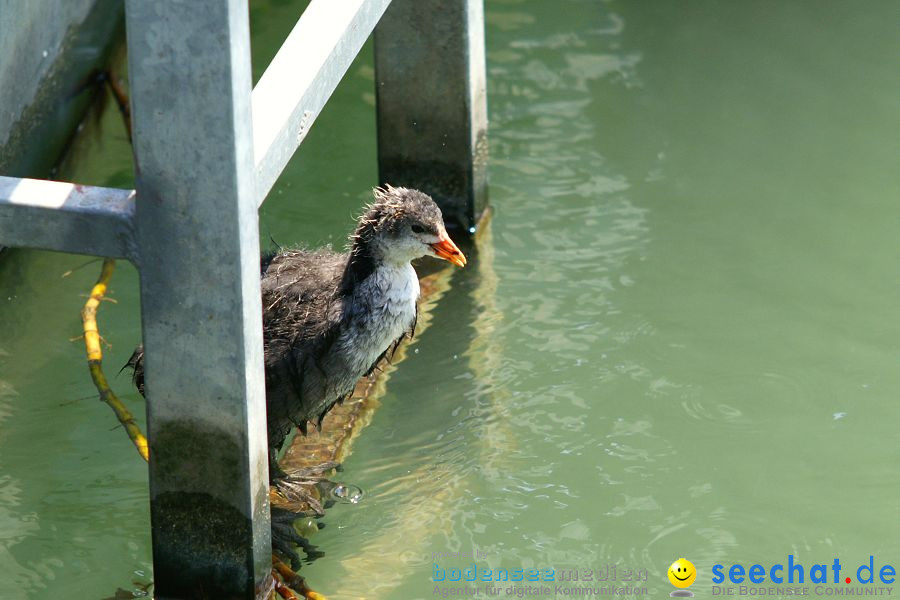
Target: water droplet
[(307, 527), (349, 493), (45, 54)]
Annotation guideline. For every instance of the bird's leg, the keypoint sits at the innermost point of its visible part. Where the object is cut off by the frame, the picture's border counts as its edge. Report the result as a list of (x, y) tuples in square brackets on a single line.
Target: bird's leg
[(285, 537), (295, 495), (300, 488)]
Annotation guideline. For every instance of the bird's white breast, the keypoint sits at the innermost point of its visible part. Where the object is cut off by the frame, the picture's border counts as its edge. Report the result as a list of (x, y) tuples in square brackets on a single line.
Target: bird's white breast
[(389, 298), (400, 286)]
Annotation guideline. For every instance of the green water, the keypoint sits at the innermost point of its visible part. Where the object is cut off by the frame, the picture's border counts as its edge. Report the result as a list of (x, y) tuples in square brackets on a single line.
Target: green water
[(679, 336)]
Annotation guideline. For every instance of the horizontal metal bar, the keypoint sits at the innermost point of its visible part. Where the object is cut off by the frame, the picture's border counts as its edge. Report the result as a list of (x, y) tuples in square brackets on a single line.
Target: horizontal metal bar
[(67, 217), (302, 77)]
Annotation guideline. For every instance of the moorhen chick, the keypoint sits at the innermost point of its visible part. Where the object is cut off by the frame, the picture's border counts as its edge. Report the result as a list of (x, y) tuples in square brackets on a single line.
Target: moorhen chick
[(329, 317)]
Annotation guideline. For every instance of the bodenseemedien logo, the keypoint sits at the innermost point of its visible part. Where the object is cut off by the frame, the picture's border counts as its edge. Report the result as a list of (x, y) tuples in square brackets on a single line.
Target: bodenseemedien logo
[(682, 574)]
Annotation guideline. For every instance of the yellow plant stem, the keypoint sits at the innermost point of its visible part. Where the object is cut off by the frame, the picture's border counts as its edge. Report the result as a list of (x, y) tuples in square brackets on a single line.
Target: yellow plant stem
[(95, 359)]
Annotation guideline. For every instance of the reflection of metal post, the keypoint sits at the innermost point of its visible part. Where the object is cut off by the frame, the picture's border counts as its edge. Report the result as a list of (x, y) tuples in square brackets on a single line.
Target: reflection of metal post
[(485, 356), (196, 226), (432, 105)]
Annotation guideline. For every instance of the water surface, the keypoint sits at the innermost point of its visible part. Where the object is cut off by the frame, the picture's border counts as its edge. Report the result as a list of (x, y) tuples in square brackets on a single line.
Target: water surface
[(678, 336)]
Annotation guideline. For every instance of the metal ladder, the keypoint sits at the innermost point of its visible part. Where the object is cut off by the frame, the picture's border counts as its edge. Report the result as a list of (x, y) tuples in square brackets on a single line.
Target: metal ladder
[(208, 148)]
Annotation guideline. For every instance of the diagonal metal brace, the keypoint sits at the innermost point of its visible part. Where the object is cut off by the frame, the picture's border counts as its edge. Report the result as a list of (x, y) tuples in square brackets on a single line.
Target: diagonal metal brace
[(302, 76)]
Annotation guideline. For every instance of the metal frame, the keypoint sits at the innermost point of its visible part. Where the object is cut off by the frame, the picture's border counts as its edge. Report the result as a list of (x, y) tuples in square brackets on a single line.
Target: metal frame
[(302, 76), (207, 151), (432, 103), (197, 229)]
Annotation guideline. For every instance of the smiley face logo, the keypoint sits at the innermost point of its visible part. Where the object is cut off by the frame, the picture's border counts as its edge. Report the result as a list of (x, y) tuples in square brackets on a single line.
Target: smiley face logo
[(682, 573)]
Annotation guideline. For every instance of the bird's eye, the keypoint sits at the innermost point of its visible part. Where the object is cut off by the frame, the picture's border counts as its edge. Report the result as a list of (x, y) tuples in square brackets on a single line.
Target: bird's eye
[(418, 229)]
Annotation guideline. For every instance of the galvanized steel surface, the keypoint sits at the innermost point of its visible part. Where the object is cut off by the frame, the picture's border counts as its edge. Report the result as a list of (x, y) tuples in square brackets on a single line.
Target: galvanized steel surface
[(301, 78), (189, 70), (432, 105), (67, 217)]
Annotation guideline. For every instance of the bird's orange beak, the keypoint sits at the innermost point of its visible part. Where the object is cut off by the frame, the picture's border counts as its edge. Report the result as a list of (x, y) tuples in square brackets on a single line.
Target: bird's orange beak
[(446, 249)]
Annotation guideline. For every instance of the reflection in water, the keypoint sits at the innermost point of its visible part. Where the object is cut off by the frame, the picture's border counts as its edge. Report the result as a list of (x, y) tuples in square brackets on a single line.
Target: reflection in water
[(490, 392), (17, 523), (426, 500), (375, 568)]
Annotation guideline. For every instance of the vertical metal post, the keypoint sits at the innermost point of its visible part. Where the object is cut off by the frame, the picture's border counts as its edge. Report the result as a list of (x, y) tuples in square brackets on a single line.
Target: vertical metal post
[(432, 103), (196, 219)]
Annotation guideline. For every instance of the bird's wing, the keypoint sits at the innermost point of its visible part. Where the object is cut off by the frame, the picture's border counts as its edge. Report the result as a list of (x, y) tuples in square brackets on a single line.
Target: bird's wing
[(301, 319), (299, 291)]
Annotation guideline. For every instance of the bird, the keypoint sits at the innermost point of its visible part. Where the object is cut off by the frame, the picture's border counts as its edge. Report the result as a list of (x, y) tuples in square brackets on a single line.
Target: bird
[(330, 317)]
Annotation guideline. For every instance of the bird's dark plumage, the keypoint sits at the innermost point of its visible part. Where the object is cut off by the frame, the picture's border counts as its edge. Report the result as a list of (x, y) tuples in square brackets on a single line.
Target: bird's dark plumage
[(328, 317)]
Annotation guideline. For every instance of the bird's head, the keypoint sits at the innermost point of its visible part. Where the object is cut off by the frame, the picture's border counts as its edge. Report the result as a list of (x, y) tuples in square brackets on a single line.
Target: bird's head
[(404, 224)]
